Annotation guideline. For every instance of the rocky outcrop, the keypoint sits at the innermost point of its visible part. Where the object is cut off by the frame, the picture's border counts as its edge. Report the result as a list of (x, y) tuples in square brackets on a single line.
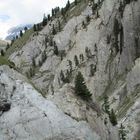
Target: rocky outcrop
[(33, 117)]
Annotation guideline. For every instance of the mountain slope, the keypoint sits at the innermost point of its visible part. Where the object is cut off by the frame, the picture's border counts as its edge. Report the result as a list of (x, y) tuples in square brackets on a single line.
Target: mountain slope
[(105, 40)]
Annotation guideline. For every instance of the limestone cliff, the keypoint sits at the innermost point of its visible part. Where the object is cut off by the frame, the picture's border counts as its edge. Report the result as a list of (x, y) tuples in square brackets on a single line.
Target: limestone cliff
[(104, 35)]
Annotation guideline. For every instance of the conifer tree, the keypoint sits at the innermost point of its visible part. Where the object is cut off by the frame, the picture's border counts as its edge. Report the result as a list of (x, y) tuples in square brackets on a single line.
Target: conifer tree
[(68, 5), (53, 30), (106, 105), (81, 88), (25, 29), (113, 118), (59, 26), (21, 34), (49, 17), (44, 22), (62, 12), (75, 2), (56, 52), (122, 133), (34, 27), (2, 53), (16, 36), (53, 12), (76, 60), (33, 62), (62, 76), (70, 65)]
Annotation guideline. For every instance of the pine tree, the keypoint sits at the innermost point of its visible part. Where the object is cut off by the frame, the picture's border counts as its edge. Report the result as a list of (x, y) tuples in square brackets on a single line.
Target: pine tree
[(53, 12), (81, 88), (75, 2), (53, 30), (76, 60), (49, 17), (113, 118), (62, 12), (56, 52), (68, 5), (33, 62), (44, 22), (34, 27), (16, 36), (59, 26), (70, 65), (25, 29), (122, 133), (44, 57), (51, 42), (21, 34), (62, 76), (2, 53), (106, 104)]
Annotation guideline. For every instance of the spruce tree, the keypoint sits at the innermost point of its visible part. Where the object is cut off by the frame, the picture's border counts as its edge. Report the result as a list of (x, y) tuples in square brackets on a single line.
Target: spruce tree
[(2, 53), (25, 29), (56, 52), (53, 30), (59, 25), (76, 60), (75, 2), (53, 12), (70, 65), (44, 22), (122, 133), (33, 62), (106, 105), (21, 34), (62, 76), (68, 5), (34, 27), (113, 118), (81, 88)]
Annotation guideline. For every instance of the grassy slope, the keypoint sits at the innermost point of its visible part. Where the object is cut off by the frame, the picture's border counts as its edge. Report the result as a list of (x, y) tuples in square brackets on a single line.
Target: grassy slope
[(19, 43)]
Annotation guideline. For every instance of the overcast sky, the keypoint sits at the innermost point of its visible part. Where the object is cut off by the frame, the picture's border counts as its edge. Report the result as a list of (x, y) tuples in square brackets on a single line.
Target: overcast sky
[(16, 12)]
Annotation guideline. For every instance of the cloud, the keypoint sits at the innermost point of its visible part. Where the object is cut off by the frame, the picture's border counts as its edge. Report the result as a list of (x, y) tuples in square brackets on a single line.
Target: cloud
[(4, 18), (16, 12)]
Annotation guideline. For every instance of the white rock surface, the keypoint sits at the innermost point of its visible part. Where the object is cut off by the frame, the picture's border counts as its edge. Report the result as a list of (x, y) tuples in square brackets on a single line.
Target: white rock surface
[(32, 117)]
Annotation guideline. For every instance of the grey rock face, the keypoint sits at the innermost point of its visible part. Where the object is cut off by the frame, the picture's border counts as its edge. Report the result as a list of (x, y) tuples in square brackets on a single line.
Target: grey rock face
[(33, 117), (113, 58)]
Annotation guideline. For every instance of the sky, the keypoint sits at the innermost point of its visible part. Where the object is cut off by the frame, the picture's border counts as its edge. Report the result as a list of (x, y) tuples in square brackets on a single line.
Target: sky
[(17, 12)]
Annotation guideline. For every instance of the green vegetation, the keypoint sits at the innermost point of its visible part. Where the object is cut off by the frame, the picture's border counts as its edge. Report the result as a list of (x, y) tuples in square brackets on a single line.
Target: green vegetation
[(76, 60), (4, 61), (19, 43), (81, 88), (74, 9), (111, 114), (122, 133), (106, 104), (113, 118)]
